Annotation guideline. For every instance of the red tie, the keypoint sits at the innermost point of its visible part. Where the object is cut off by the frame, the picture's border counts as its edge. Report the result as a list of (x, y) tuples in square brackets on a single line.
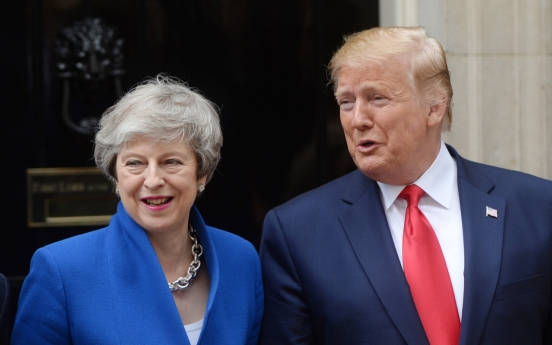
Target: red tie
[(427, 274)]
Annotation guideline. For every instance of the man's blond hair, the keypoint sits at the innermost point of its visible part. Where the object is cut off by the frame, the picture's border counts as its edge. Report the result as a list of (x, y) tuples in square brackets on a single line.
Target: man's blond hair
[(428, 65)]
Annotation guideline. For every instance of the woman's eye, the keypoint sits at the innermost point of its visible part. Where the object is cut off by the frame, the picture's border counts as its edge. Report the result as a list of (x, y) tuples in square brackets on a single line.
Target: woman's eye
[(133, 163), (172, 162)]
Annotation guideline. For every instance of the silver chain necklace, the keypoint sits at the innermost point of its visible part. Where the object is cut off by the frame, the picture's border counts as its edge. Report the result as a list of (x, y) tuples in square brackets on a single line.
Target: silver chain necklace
[(182, 283)]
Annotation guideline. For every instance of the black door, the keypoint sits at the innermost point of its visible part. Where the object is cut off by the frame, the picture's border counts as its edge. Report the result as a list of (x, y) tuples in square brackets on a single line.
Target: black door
[(262, 62)]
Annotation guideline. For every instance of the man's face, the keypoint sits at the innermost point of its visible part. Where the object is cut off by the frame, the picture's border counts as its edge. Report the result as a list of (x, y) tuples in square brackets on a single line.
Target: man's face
[(390, 132)]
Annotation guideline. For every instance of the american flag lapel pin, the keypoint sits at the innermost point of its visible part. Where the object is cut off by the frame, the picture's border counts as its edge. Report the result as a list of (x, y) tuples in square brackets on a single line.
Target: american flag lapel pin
[(491, 212)]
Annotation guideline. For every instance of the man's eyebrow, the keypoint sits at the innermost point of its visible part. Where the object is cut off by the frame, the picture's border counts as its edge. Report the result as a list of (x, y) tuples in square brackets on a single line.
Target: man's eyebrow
[(340, 91), (372, 86), (363, 87)]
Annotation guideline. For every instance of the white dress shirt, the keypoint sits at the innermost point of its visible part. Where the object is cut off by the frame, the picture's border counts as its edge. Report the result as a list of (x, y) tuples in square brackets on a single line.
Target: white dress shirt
[(441, 206)]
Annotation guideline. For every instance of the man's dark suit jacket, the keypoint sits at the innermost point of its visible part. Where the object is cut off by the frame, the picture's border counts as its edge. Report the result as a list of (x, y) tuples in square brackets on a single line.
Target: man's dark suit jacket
[(332, 275)]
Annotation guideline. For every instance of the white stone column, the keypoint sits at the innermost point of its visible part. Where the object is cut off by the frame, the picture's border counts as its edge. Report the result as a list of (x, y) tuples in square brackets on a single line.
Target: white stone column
[(500, 57)]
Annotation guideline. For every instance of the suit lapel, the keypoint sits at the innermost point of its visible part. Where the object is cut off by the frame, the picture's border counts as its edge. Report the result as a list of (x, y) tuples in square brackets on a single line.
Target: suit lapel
[(483, 237), (212, 263), (142, 302), (365, 224)]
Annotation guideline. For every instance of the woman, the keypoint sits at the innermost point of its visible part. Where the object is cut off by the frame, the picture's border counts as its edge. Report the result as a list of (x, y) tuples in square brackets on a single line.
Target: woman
[(157, 274)]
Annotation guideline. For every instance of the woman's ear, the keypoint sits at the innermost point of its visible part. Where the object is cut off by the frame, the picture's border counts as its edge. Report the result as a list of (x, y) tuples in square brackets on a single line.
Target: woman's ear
[(201, 182)]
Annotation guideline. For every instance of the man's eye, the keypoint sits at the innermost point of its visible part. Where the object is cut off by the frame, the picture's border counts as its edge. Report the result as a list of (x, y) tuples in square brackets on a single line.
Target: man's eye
[(346, 105), (380, 98)]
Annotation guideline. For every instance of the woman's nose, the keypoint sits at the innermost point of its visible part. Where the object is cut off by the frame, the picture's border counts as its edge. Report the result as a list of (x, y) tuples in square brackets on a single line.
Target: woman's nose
[(154, 177)]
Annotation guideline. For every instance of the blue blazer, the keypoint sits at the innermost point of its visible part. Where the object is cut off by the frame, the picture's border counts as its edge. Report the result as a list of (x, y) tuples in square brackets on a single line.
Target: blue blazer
[(332, 275), (107, 287)]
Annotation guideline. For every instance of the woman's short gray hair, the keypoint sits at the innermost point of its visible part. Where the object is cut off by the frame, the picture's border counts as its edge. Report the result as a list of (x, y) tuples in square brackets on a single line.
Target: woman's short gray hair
[(162, 109)]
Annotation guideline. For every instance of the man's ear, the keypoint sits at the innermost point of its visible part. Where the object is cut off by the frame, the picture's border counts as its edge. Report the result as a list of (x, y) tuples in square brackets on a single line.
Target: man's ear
[(436, 113)]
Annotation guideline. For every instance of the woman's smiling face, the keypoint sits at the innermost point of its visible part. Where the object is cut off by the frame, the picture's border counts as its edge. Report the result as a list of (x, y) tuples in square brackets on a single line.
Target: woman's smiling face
[(158, 183)]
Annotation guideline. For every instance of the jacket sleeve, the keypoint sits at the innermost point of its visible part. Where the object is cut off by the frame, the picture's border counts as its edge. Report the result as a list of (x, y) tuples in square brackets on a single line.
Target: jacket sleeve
[(287, 316), (42, 314), (259, 305), (547, 337)]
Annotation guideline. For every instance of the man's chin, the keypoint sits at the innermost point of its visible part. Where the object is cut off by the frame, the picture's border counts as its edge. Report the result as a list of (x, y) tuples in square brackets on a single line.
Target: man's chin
[(370, 168)]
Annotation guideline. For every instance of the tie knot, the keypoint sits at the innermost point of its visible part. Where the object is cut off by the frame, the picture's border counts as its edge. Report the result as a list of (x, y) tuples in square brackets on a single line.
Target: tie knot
[(412, 194)]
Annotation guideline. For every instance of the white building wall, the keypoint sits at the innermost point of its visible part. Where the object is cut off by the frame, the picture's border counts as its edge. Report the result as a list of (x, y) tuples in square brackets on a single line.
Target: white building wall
[(500, 57)]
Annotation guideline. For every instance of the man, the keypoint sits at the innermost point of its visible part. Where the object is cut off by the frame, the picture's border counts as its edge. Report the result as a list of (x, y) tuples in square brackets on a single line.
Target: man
[(354, 262)]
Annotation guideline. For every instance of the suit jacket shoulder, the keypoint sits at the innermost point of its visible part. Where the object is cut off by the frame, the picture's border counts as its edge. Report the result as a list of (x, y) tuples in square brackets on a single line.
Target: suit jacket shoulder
[(504, 179), (329, 196)]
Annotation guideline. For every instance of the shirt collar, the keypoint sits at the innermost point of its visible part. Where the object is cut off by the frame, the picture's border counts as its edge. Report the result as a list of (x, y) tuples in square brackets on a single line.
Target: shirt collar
[(437, 181)]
